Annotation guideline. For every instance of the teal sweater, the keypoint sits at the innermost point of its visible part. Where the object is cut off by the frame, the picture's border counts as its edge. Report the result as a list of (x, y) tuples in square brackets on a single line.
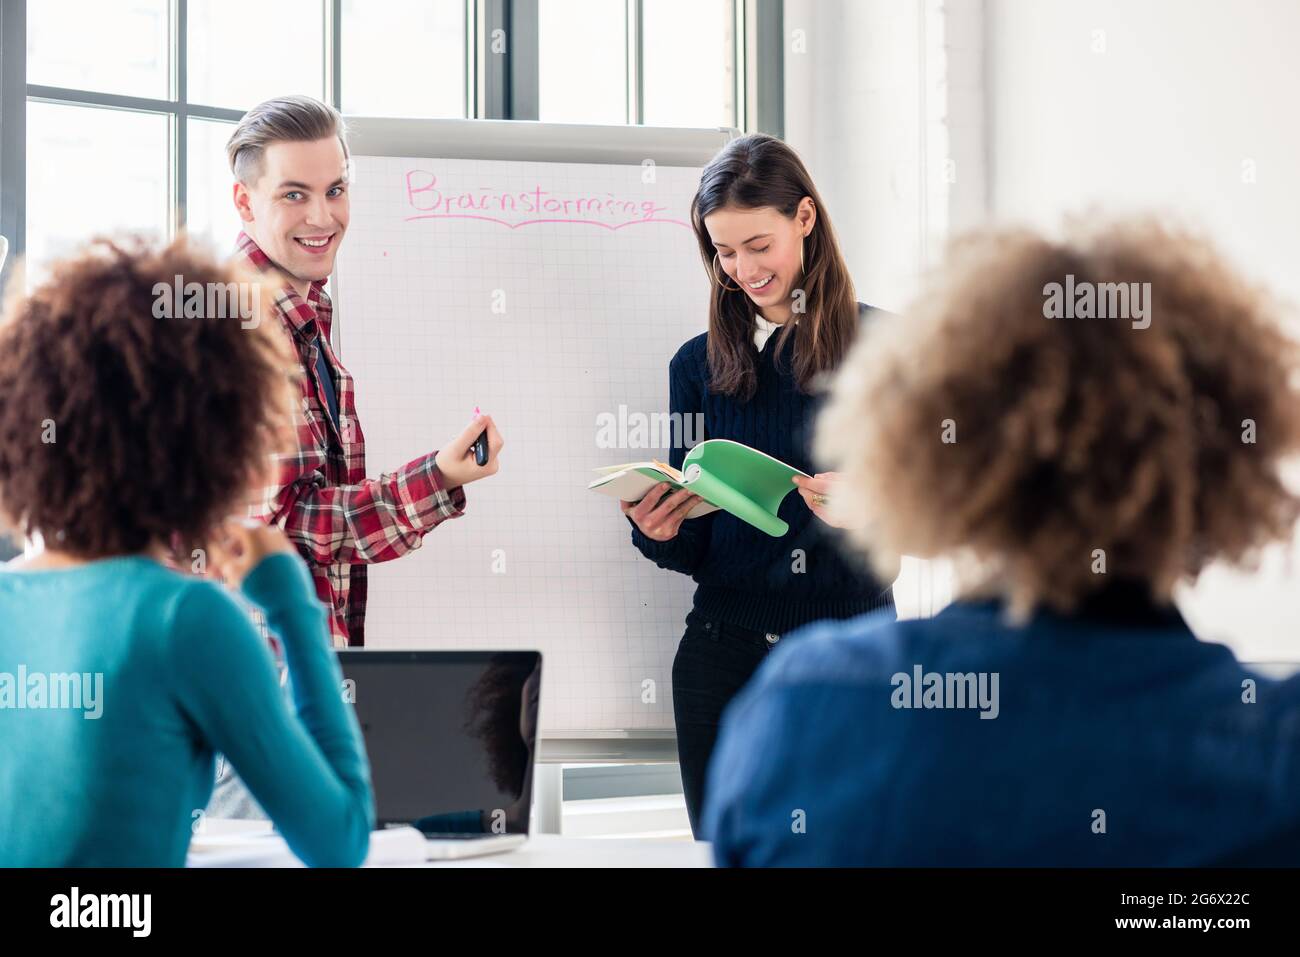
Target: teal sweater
[(123, 779)]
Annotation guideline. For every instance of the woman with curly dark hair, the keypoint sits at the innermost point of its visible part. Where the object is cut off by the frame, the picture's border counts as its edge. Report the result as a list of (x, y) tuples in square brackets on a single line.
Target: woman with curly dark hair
[(1076, 459), (140, 402)]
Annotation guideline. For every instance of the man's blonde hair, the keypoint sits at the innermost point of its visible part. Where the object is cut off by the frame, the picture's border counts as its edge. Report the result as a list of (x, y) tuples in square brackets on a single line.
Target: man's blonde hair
[(285, 119)]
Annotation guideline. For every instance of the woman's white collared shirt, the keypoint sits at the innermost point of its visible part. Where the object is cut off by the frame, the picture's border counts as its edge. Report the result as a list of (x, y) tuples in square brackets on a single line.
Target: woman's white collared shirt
[(763, 330)]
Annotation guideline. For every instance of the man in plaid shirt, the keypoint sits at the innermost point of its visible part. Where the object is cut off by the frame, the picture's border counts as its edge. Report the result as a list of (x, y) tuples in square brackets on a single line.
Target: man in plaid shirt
[(290, 161)]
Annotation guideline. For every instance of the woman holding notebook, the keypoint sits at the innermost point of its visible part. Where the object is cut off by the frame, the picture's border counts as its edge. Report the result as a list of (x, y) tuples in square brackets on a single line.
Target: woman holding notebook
[(782, 314)]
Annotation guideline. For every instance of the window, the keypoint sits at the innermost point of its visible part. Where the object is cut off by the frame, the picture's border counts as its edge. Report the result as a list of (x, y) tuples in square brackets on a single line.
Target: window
[(210, 210), (135, 141), (281, 48), (582, 61), (687, 63), (92, 171), (129, 103), (404, 58), (66, 40), (659, 62)]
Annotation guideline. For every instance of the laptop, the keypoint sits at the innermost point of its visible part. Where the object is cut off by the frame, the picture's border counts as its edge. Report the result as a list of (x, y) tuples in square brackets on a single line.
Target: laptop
[(452, 741)]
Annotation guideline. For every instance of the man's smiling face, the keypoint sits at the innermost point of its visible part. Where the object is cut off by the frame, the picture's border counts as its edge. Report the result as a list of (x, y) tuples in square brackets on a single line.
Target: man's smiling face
[(297, 209)]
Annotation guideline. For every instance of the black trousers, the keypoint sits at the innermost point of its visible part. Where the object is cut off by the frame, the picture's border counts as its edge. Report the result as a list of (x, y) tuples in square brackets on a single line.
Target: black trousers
[(713, 662)]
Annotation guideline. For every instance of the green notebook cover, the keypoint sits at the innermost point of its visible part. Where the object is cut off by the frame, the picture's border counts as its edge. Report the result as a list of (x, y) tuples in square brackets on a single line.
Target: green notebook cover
[(738, 479)]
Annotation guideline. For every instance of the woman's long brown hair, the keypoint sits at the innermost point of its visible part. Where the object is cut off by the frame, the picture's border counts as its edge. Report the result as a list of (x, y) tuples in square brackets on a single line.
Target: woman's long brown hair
[(754, 172)]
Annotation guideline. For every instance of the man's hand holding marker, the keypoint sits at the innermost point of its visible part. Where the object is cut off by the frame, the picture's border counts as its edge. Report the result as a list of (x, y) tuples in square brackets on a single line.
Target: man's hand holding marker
[(457, 460)]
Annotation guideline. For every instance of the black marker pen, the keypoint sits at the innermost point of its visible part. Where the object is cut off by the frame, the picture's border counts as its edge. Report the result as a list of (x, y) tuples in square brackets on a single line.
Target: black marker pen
[(480, 445)]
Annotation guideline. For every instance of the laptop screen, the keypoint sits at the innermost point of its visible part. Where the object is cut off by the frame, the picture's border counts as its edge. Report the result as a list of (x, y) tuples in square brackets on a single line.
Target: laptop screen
[(451, 736)]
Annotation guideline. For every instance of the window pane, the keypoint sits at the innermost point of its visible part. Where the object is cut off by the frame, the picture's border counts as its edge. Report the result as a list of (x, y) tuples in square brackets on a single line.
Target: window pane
[(582, 61), (687, 77), (242, 52), (110, 47), (210, 209), (92, 171), (404, 57)]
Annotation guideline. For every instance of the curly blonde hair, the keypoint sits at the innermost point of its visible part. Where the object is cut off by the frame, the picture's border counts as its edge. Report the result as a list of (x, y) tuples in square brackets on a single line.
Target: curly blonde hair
[(1028, 448)]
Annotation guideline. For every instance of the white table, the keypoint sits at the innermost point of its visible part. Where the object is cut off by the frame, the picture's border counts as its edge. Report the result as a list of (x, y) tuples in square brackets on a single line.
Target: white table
[(548, 850), (552, 850)]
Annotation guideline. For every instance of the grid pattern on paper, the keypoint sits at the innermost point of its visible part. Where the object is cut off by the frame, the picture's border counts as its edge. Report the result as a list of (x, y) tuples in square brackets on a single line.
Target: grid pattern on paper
[(591, 318)]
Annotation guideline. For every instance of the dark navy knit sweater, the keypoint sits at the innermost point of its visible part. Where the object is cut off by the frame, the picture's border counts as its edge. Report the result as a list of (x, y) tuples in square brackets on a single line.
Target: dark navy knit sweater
[(746, 577)]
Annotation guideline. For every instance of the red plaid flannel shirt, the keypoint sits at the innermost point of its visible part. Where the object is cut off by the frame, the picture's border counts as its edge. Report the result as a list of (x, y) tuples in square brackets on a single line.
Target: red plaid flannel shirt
[(340, 520)]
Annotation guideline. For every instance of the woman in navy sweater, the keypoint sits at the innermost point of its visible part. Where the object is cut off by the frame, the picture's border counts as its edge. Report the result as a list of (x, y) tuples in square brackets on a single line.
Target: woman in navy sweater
[(782, 313)]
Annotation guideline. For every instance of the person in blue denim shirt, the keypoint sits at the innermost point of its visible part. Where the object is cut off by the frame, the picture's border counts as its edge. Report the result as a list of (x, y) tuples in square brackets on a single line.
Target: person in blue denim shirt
[(1080, 425)]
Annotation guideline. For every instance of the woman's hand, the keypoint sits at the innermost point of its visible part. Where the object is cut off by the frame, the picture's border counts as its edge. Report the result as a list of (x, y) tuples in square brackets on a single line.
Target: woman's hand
[(456, 459), (817, 493), (237, 546), (659, 516)]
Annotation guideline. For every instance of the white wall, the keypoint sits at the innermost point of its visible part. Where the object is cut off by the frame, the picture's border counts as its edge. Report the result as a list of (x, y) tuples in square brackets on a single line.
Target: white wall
[(864, 109), (1188, 106), (884, 102), (1047, 107), (1184, 105)]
